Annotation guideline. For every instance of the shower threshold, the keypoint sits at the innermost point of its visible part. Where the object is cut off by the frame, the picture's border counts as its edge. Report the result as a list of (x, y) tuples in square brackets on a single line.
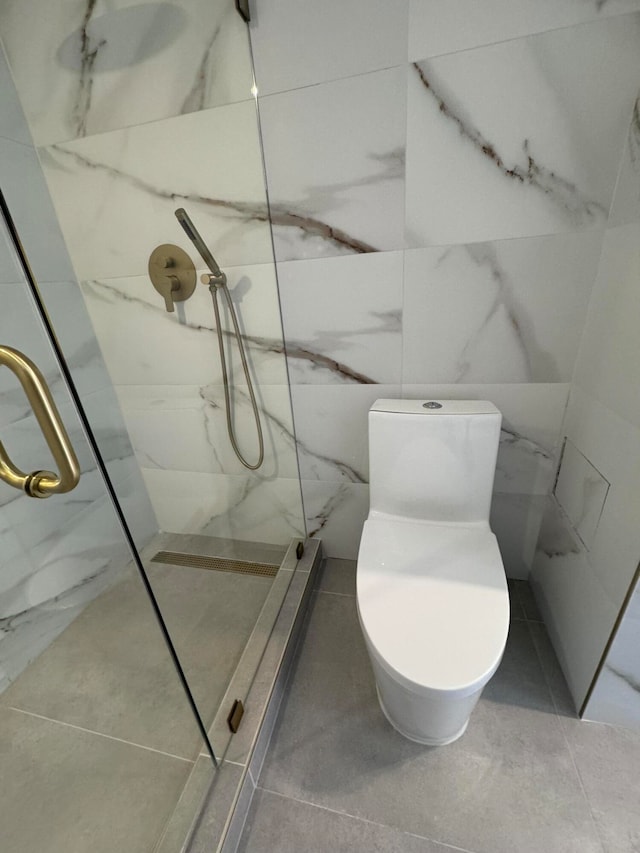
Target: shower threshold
[(211, 808)]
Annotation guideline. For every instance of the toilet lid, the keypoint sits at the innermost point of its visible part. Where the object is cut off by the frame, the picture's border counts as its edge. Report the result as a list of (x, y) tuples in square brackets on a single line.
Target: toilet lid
[(433, 602)]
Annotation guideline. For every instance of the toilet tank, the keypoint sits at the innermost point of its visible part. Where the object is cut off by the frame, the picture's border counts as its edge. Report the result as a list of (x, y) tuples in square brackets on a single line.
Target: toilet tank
[(433, 460)]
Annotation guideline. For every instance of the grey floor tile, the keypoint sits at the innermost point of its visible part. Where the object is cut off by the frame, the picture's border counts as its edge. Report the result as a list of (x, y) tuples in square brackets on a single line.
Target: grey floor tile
[(338, 576), (528, 602), (288, 826), (608, 760), (514, 599), (210, 616), (208, 832), (508, 785), (63, 790), (110, 672), (562, 700)]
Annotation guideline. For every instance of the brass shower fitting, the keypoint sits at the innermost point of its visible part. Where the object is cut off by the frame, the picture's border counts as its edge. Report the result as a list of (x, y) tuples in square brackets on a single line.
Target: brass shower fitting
[(39, 484), (172, 273)]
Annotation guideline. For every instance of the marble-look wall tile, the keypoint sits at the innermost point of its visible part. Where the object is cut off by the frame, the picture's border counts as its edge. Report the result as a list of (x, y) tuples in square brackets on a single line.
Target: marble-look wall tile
[(610, 350), (188, 432), (446, 26), (71, 567), (25, 191), (13, 124), (581, 491), (625, 207), (612, 445), (140, 340), (106, 64), (342, 318), (577, 610), (334, 158), (616, 695), (115, 193), (520, 138), (529, 440), (508, 311), (332, 427), (515, 520), (336, 512), (235, 507), (292, 41)]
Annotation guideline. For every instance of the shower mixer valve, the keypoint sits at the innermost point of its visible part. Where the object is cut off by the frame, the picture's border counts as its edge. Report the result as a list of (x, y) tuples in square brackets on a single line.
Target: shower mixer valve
[(172, 273)]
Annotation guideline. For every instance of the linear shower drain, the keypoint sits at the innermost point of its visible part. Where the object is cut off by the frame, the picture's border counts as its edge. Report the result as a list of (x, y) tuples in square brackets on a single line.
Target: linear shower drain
[(218, 564)]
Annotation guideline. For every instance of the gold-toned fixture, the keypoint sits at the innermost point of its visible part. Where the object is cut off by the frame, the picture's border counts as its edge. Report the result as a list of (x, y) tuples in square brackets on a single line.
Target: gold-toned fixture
[(216, 281), (217, 564), (39, 484), (172, 273)]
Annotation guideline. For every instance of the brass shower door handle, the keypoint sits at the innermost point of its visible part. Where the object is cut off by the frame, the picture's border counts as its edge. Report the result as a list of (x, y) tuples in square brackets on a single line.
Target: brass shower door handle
[(39, 484)]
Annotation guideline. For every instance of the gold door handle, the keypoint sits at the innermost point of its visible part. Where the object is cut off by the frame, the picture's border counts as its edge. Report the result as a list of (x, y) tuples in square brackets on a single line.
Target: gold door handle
[(39, 484)]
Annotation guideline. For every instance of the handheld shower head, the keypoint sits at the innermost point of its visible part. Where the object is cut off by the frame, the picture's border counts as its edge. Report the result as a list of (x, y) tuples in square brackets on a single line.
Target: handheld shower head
[(193, 234)]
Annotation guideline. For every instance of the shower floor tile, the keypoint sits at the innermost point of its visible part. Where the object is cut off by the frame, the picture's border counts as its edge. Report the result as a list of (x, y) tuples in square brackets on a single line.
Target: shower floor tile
[(110, 672), (509, 784), (64, 790)]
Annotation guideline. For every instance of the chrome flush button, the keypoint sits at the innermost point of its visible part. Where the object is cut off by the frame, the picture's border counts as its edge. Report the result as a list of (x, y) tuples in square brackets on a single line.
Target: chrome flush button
[(432, 405)]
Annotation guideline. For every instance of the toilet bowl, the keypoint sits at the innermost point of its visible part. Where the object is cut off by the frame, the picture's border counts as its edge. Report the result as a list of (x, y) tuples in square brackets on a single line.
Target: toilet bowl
[(431, 590)]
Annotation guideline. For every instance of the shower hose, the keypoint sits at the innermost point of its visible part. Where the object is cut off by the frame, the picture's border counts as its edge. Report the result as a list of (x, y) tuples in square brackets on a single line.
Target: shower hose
[(213, 289), (218, 281)]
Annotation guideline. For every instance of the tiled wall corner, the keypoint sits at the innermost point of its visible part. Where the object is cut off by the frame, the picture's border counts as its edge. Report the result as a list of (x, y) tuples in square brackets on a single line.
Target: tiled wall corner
[(439, 205)]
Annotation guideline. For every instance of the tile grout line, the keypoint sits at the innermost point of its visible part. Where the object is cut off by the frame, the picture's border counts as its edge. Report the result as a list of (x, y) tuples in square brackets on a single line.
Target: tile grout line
[(362, 819), (341, 594), (594, 823), (98, 734)]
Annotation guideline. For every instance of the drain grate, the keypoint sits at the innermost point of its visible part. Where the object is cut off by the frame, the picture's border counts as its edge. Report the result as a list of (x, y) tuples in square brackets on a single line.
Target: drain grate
[(217, 564)]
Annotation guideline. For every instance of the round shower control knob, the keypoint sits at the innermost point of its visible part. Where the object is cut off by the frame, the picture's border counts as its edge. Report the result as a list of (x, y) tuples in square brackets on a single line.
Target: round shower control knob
[(432, 405)]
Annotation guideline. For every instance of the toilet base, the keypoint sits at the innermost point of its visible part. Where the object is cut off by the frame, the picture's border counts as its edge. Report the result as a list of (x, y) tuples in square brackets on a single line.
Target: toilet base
[(423, 741)]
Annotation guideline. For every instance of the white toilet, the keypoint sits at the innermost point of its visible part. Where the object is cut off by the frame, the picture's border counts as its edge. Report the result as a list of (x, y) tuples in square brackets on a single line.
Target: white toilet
[(431, 589)]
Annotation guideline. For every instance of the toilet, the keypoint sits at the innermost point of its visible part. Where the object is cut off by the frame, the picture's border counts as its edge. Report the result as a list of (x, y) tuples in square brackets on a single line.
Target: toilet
[(431, 589)]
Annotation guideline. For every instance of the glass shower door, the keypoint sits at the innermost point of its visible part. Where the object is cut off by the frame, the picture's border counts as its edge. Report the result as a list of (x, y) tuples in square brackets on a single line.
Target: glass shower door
[(97, 737)]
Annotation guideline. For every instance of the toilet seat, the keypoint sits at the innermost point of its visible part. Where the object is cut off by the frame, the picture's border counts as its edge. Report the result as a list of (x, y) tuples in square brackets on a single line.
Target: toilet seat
[(437, 588)]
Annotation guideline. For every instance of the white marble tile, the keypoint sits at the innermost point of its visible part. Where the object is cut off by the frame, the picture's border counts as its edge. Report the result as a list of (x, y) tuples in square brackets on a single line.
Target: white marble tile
[(612, 445), (332, 429), (29, 202), (343, 318), (625, 207), (112, 63), (86, 545), (143, 344), (65, 307), (445, 26), (508, 311), (10, 269), (581, 491), (136, 506), (297, 44), (515, 520), (607, 367), (115, 194), (335, 165), (531, 429), (188, 432), (335, 513), (13, 124), (20, 327), (616, 695), (576, 609), (244, 508), (520, 138)]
